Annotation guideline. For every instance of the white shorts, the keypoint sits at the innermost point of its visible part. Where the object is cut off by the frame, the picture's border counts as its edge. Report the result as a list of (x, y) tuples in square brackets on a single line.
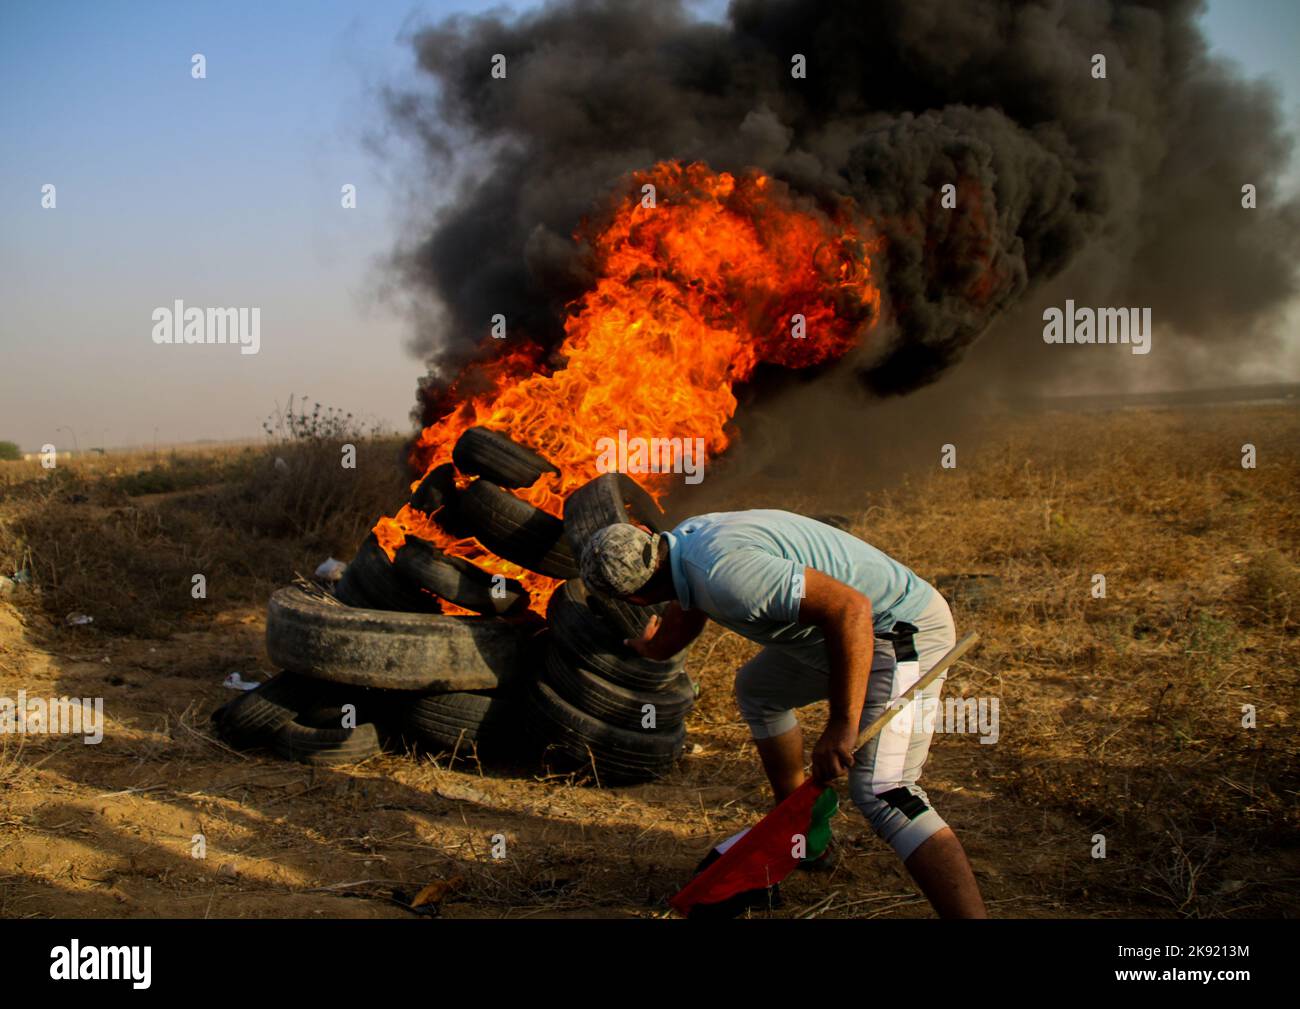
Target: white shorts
[(883, 781)]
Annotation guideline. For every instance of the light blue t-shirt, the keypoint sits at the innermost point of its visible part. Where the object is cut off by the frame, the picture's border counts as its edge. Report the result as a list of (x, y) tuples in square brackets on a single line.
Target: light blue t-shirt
[(740, 568)]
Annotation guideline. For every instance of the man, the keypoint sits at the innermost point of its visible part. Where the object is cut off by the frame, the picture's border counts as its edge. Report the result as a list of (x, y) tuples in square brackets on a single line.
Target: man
[(818, 599)]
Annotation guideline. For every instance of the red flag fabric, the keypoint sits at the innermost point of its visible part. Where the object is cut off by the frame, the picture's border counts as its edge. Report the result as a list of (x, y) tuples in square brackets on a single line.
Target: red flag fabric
[(766, 854)]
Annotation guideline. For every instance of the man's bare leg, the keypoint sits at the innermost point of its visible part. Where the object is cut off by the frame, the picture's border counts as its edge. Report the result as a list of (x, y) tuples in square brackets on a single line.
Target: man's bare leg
[(943, 873), (782, 758), (939, 865)]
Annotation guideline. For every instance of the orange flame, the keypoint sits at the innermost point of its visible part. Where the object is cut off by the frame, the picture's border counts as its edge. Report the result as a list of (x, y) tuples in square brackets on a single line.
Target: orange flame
[(693, 293)]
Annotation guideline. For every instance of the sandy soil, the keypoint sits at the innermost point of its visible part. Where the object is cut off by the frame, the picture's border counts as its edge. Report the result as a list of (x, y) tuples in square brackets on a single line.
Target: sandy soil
[(107, 830)]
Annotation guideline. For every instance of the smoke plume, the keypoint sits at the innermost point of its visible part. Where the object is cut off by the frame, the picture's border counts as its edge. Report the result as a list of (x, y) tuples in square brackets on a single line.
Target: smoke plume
[(1142, 170)]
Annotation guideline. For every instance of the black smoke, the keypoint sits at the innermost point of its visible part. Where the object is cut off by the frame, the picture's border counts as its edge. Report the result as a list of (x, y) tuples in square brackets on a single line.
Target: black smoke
[(1144, 168)]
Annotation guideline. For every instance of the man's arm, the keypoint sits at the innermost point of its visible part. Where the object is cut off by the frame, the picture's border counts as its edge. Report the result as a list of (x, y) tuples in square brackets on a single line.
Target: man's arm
[(662, 639), (844, 616)]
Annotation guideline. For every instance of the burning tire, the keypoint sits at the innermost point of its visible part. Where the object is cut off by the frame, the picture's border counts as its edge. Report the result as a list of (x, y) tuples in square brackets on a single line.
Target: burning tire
[(437, 497), (330, 746), (588, 691), (493, 456), (454, 722), (394, 651), (436, 490), (579, 631), (371, 581), (517, 531), (616, 754), (458, 581), (609, 499)]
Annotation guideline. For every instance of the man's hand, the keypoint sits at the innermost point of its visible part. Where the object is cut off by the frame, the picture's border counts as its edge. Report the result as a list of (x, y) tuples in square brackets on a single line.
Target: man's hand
[(643, 645), (833, 754)]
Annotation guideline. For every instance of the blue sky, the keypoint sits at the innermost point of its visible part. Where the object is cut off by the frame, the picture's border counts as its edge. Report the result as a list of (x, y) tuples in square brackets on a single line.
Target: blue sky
[(225, 191)]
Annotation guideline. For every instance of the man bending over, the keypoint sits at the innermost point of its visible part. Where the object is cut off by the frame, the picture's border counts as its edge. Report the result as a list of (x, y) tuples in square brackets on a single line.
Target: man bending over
[(840, 621)]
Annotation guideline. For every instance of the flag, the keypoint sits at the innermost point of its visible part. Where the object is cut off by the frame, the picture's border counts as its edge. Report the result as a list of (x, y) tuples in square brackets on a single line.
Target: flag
[(798, 829), (760, 858)]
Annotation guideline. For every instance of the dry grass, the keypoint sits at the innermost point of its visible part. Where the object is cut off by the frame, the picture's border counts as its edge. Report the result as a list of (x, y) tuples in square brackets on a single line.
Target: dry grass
[(120, 537), (1120, 716), (1126, 711)]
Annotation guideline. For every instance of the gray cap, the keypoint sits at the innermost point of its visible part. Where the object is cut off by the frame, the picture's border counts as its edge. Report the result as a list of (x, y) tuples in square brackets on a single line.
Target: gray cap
[(620, 559)]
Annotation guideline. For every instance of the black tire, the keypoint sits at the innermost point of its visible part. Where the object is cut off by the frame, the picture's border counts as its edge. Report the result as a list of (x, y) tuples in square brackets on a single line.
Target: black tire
[(582, 634), (219, 714), (437, 489), (618, 705), (627, 619), (395, 651), (325, 710), (455, 579), (493, 456), (438, 498), (347, 590), (256, 715), (309, 745), (451, 722), (518, 531), (606, 501), (619, 755), (371, 582)]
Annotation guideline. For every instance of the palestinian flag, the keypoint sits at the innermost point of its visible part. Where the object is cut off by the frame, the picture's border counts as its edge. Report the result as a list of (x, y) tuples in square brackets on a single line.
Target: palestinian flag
[(798, 830)]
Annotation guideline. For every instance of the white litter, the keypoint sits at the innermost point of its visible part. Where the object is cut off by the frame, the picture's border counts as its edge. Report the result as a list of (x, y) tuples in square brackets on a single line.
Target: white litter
[(78, 619), (236, 682), (331, 570)]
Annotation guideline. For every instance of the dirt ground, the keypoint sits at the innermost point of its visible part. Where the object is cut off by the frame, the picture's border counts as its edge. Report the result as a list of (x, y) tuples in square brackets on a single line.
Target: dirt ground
[(1120, 716)]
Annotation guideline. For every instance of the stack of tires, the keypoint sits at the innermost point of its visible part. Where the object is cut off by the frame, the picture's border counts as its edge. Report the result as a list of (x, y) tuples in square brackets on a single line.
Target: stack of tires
[(602, 705), (458, 689), (356, 679), (597, 702), (391, 655), (504, 524)]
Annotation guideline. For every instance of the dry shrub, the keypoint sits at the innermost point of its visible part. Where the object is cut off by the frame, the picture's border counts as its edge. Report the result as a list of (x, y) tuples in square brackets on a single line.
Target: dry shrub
[(122, 539), (300, 487), (301, 491)]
